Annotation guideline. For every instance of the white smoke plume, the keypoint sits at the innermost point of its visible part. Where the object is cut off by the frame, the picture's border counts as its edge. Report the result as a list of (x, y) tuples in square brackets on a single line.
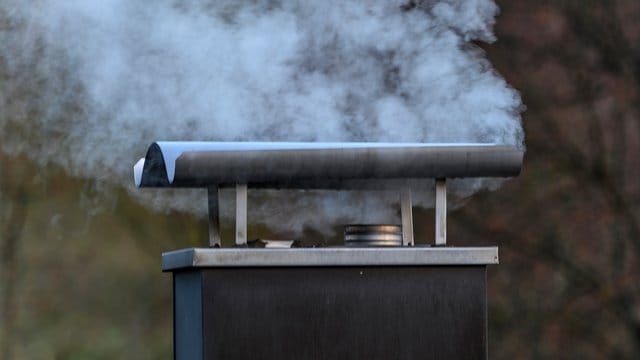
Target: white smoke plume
[(89, 84)]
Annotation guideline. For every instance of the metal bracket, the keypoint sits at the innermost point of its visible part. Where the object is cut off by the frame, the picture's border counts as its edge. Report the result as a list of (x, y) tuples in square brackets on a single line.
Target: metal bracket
[(406, 214), (214, 217), (241, 214), (441, 212)]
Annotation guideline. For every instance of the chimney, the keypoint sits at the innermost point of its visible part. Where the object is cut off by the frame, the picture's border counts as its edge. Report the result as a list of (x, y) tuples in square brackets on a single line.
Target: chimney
[(380, 296)]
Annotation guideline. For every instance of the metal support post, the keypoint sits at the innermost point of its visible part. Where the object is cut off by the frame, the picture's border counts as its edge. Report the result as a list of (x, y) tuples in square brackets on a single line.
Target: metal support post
[(241, 214), (214, 217), (441, 212), (406, 214)]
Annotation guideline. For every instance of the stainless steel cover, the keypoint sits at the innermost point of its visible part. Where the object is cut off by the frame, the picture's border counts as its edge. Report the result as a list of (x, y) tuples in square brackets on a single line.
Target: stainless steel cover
[(318, 165)]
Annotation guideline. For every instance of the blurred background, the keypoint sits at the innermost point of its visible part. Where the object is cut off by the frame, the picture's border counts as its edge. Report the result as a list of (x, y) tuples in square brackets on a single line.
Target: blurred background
[(80, 259)]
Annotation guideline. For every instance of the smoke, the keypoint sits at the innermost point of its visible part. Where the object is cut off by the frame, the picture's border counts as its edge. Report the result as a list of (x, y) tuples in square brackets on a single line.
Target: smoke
[(89, 84)]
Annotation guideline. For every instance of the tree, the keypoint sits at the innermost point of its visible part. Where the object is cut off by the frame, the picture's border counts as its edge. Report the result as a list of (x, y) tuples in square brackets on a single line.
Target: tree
[(567, 283)]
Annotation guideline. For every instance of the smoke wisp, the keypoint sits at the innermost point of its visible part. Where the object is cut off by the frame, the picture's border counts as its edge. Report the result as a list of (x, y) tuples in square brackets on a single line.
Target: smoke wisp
[(89, 84)]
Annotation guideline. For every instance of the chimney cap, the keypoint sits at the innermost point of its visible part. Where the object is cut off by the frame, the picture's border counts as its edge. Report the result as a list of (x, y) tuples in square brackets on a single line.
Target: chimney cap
[(319, 164)]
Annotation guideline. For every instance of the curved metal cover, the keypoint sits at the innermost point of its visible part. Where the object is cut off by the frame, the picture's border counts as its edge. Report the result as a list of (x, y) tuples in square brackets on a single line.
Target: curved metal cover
[(318, 165)]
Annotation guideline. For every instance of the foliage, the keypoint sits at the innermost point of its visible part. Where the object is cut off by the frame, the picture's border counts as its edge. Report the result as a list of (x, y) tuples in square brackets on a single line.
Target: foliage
[(569, 227)]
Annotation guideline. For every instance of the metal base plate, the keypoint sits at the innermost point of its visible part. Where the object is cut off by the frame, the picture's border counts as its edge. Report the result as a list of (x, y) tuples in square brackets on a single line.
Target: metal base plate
[(338, 256)]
